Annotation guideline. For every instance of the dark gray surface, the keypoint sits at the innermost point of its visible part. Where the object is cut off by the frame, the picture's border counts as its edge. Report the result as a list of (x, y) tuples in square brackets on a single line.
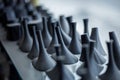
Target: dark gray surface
[(20, 60)]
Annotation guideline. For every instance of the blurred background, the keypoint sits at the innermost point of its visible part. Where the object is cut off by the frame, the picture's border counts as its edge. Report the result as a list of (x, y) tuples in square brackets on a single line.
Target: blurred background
[(103, 14)]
